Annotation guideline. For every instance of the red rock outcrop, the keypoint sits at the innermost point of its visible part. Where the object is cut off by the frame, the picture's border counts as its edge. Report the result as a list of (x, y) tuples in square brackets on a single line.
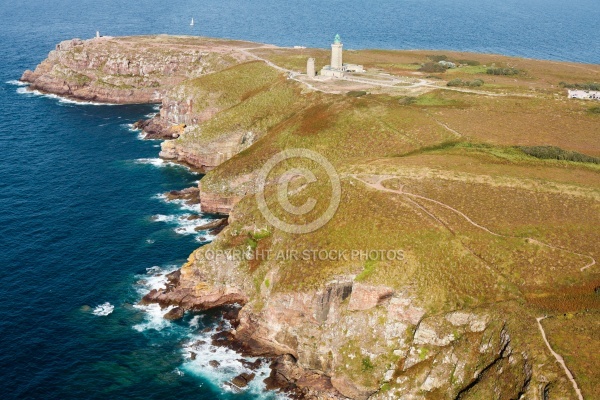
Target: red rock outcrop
[(129, 69)]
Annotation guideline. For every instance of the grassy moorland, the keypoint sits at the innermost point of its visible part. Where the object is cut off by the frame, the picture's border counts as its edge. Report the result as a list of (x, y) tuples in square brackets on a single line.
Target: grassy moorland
[(493, 197), (575, 336)]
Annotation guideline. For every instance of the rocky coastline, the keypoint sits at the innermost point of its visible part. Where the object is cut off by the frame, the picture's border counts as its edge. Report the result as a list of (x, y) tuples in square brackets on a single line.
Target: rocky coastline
[(341, 339)]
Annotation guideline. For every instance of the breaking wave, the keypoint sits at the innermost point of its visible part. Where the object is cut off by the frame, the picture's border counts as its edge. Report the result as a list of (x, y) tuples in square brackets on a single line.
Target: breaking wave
[(61, 100), (103, 309)]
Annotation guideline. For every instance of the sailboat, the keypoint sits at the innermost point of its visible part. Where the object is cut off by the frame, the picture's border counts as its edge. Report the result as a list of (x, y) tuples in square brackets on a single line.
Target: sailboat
[(192, 23)]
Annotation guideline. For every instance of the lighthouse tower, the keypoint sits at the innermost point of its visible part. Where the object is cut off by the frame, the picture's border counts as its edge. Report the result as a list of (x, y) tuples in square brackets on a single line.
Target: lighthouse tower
[(336, 53)]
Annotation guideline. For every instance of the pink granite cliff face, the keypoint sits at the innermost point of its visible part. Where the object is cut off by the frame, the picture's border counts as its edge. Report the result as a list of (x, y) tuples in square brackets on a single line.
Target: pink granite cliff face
[(126, 70), (337, 335), (345, 339)]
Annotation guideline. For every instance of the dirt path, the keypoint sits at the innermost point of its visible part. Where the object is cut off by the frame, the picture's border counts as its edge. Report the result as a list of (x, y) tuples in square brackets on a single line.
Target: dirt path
[(559, 358), (395, 80), (291, 74), (377, 183)]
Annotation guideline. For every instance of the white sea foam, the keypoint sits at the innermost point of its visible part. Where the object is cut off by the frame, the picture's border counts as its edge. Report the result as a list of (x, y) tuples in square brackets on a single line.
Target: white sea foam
[(155, 278), (187, 226), (205, 238), (199, 342), (153, 318), (61, 100), (130, 127), (195, 208), (195, 321), (15, 82), (103, 309), (163, 218), (159, 163), (229, 365)]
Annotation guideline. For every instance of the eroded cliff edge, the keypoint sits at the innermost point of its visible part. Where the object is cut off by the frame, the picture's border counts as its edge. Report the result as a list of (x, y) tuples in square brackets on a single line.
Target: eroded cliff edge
[(455, 318), (126, 70)]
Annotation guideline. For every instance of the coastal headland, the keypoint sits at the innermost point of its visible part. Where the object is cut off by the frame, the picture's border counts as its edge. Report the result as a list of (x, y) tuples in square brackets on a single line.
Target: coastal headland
[(475, 168)]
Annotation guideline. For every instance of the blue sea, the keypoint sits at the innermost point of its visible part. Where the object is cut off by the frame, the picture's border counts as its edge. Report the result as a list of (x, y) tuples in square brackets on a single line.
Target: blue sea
[(84, 230)]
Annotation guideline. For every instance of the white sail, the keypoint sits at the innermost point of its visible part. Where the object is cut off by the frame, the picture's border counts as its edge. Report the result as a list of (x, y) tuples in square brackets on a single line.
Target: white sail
[(192, 23)]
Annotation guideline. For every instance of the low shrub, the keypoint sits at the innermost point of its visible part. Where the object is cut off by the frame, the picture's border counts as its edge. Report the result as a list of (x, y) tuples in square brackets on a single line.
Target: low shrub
[(471, 63), (594, 110), (556, 153), (432, 67), (502, 71), (437, 58), (581, 86), (460, 83), (356, 93), (407, 100)]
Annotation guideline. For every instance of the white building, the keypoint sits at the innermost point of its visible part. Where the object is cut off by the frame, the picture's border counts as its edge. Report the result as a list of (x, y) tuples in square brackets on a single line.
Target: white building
[(310, 68), (584, 94), (337, 68)]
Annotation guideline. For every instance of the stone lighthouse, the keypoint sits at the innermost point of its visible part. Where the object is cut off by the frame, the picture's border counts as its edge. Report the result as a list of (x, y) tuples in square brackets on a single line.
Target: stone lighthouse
[(338, 69), (336, 53)]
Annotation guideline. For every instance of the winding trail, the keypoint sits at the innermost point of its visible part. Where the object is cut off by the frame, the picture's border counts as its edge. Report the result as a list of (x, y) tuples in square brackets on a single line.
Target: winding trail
[(559, 358), (293, 75), (377, 184)]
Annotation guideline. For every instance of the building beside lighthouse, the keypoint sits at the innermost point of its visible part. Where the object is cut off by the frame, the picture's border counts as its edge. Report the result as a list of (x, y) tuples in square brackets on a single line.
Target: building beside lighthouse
[(337, 68)]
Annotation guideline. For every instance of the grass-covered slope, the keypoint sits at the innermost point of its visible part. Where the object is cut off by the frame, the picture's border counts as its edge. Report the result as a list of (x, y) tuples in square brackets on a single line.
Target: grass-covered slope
[(488, 218)]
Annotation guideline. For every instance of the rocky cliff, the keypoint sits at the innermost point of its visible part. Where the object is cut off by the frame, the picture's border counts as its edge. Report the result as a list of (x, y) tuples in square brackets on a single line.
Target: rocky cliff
[(127, 70), (456, 317), (347, 339)]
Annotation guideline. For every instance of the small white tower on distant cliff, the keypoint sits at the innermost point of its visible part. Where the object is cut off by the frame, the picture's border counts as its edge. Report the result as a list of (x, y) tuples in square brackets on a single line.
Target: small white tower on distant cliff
[(336, 53), (97, 34), (310, 68)]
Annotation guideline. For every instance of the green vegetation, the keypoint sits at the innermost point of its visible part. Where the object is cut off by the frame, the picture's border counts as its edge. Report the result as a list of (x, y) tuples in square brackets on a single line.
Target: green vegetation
[(471, 63), (368, 270), (581, 86), (432, 67), (438, 58), (502, 71), (556, 153), (576, 337), (356, 93), (408, 100), (460, 83), (473, 153), (594, 110), (367, 365), (435, 100), (260, 234)]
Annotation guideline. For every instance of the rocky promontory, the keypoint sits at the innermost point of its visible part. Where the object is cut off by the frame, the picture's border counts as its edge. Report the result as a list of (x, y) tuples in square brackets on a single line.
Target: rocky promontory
[(492, 238), (129, 70)]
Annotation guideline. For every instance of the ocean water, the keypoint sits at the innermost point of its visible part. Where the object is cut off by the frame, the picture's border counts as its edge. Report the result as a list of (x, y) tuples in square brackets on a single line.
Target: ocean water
[(84, 231)]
